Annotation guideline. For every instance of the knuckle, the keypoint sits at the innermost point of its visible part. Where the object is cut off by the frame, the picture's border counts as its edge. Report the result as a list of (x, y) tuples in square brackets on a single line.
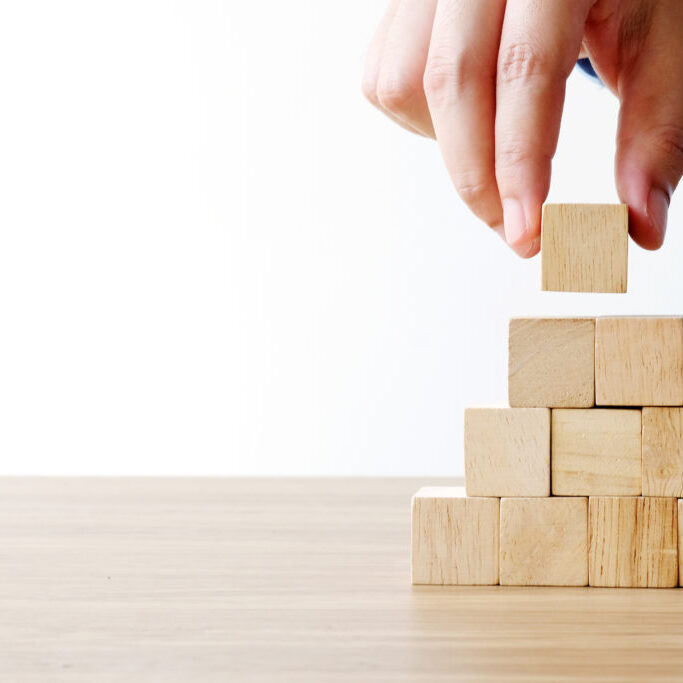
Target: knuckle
[(520, 163), (511, 155), (480, 192), (395, 92), (522, 62), (669, 140), (445, 77), (473, 189)]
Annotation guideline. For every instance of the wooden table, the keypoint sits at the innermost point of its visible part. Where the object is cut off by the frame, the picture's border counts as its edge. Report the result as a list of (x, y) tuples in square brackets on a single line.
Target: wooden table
[(198, 580)]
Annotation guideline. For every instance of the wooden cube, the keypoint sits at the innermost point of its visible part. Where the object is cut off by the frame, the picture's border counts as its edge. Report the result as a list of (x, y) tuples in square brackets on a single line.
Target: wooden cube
[(663, 452), (551, 362), (584, 247), (507, 452), (544, 541), (633, 542), (455, 539), (596, 452), (639, 361)]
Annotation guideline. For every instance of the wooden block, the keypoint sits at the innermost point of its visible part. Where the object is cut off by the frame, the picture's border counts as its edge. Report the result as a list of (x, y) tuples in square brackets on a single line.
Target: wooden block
[(596, 452), (544, 541), (551, 362), (507, 452), (454, 539), (584, 247), (663, 452), (633, 542), (639, 361)]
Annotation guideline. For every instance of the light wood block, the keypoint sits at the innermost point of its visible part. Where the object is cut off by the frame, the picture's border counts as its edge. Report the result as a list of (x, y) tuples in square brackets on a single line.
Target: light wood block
[(455, 540), (507, 452), (596, 452), (551, 362), (544, 541), (633, 542), (639, 361), (584, 247), (663, 452)]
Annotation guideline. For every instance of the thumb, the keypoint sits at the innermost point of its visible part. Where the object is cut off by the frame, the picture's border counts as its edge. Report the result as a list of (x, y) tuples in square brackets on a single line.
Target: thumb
[(649, 160)]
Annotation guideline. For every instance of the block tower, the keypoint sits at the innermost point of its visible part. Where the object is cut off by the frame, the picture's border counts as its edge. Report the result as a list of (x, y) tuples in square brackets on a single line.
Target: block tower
[(579, 480)]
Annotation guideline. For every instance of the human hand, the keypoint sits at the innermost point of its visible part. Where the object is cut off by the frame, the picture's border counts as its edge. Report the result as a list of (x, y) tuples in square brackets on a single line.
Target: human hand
[(486, 78)]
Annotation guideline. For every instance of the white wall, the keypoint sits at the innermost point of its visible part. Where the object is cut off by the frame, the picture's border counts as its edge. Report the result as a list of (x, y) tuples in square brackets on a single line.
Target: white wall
[(215, 257)]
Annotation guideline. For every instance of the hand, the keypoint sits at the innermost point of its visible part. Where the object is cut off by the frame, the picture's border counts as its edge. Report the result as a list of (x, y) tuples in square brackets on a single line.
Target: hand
[(487, 79)]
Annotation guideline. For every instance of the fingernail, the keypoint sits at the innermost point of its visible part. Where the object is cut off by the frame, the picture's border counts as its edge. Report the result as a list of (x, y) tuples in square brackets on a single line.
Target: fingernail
[(515, 222), (657, 210)]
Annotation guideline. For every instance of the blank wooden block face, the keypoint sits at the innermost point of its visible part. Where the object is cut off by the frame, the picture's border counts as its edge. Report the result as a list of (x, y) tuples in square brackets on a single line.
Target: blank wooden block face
[(507, 452), (455, 540), (584, 247), (663, 452), (639, 361), (544, 541), (551, 362), (596, 452), (633, 542)]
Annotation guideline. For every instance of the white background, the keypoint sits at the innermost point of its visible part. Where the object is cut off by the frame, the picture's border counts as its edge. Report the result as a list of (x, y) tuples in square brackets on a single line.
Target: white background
[(216, 258)]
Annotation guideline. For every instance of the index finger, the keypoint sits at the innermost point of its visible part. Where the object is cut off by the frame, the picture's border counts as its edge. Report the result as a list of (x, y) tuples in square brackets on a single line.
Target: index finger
[(540, 43)]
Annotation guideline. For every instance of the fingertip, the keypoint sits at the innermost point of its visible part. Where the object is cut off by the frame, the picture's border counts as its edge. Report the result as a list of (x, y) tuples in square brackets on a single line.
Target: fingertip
[(522, 220), (533, 249), (657, 214), (648, 208), (499, 229), (515, 222), (527, 250), (646, 230)]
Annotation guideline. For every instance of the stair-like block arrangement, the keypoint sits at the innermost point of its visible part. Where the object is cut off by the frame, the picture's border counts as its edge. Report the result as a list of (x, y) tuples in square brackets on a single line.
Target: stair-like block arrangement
[(579, 481)]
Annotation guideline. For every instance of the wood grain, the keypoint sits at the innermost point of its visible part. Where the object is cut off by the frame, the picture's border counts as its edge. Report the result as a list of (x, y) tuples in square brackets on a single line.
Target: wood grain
[(596, 452), (633, 542), (544, 541), (297, 580), (639, 361), (551, 362), (663, 452), (454, 539), (507, 452), (584, 247)]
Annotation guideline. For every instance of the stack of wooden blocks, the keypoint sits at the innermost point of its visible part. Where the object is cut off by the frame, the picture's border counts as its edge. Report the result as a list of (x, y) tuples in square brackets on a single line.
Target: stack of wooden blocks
[(579, 480)]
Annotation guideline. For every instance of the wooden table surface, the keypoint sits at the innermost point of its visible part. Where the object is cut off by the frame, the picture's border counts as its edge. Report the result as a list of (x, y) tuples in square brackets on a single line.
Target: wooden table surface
[(199, 580)]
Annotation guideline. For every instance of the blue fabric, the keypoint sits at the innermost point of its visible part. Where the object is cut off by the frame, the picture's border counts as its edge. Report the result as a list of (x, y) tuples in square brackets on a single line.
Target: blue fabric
[(586, 66)]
